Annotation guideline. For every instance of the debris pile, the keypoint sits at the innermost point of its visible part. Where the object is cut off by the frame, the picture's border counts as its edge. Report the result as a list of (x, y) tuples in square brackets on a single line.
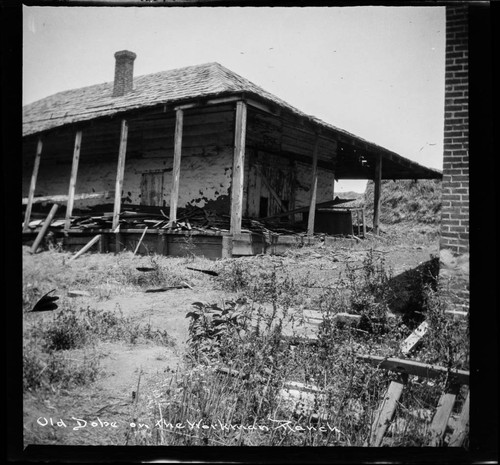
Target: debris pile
[(189, 218)]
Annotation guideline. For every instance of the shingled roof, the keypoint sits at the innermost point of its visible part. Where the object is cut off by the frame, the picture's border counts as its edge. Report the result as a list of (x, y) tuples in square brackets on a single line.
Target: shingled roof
[(72, 106), (167, 87)]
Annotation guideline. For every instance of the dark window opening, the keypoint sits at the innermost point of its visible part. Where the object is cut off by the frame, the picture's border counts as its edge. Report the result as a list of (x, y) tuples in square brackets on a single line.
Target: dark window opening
[(286, 207), (263, 207)]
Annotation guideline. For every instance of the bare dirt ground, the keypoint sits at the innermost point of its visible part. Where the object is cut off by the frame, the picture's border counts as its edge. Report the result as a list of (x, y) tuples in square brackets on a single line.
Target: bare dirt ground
[(145, 366)]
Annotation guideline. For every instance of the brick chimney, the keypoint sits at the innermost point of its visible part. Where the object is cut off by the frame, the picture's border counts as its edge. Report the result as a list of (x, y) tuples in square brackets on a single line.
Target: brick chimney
[(124, 73)]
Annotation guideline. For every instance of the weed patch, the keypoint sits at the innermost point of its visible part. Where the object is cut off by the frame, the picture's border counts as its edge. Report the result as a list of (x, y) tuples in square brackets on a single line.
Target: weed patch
[(57, 370), (48, 344)]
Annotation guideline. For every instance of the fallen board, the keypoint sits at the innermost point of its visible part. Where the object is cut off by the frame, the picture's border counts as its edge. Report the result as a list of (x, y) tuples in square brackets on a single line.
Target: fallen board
[(385, 412), (410, 367), (411, 342)]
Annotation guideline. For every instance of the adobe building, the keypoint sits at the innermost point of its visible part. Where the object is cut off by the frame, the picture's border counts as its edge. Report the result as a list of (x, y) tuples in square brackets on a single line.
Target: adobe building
[(198, 139)]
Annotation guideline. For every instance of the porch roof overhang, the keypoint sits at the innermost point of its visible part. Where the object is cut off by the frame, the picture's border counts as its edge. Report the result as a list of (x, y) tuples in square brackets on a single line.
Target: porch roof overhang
[(352, 158)]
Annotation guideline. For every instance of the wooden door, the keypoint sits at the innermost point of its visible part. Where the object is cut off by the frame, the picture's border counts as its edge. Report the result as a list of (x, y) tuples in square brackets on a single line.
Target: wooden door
[(270, 185), (152, 189)]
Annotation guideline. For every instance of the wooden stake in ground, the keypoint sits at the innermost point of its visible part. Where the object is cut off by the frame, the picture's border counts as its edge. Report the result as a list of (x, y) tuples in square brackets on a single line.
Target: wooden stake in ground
[(140, 240), (87, 247), (45, 226)]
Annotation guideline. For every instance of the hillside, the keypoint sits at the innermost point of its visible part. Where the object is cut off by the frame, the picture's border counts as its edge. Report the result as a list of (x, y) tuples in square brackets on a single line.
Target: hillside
[(406, 201)]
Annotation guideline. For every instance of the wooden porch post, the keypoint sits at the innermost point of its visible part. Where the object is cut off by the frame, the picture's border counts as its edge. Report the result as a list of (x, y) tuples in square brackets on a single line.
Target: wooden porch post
[(314, 188), (333, 185), (174, 193), (119, 173), (376, 194), (72, 181), (238, 167), (34, 175)]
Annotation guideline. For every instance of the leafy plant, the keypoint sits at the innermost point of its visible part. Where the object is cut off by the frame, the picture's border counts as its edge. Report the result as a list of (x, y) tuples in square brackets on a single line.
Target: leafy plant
[(210, 324)]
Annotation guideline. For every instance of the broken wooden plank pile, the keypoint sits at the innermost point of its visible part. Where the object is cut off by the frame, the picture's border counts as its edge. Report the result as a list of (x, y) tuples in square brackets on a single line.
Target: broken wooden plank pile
[(190, 218), (140, 217)]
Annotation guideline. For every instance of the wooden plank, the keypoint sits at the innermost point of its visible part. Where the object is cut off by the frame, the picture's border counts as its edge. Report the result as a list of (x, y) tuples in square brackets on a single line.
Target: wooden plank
[(176, 172), (103, 244), (456, 313), (162, 245), (364, 221), (411, 367), (140, 240), (328, 203), (72, 180), (347, 318), (264, 107), (214, 101), (376, 195), (85, 248), (45, 226), (120, 172), (314, 188), (441, 417), (385, 412), (270, 188), (64, 198), (34, 176), (413, 339), (238, 167), (462, 428)]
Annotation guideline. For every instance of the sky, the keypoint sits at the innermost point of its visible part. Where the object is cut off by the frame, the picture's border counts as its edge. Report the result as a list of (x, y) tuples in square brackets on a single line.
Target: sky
[(377, 72)]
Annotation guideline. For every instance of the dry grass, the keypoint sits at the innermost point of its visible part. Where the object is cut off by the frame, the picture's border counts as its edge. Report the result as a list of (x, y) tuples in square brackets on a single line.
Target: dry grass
[(197, 405)]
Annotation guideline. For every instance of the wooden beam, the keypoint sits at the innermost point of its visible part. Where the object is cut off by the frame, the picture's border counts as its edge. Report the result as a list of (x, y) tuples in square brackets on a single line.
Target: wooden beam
[(45, 226), (34, 175), (72, 180), (441, 417), (238, 167), (376, 195), (119, 173), (384, 413), (86, 247), (202, 103), (64, 198), (462, 428), (328, 203), (176, 172), (314, 188), (140, 240), (411, 367)]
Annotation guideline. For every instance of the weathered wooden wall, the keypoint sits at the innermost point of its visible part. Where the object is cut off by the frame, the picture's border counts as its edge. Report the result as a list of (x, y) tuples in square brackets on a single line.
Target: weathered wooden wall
[(290, 179)]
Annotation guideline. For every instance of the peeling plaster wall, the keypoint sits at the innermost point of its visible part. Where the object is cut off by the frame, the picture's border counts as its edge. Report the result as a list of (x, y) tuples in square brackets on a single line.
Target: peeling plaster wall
[(303, 183), (204, 179), (53, 179), (206, 162)]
